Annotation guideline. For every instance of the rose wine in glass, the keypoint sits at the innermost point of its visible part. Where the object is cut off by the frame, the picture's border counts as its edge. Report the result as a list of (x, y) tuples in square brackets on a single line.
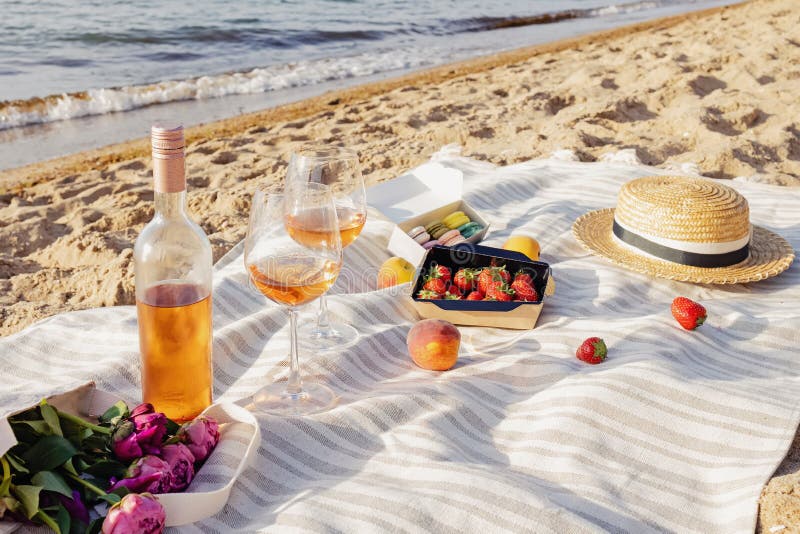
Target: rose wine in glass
[(293, 282), (172, 267), (339, 169), (292, 268), (351, 222)]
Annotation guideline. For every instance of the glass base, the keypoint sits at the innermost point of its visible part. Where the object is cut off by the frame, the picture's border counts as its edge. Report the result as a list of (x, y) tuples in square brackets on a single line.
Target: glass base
[(275, 400), (337, 336)]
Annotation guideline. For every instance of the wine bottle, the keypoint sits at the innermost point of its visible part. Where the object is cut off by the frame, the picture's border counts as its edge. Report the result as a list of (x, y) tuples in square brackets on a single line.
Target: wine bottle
[(172, 268)]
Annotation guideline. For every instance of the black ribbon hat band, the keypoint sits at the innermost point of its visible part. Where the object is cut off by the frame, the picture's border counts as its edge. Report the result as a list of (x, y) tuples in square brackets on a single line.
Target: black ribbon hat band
[(694, 259)]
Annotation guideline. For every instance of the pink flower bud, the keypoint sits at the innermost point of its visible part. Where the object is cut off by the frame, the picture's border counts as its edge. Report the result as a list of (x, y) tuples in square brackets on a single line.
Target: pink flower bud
[(201, 436), (149, 473), (142, 433), (135, 514), (181, 463)]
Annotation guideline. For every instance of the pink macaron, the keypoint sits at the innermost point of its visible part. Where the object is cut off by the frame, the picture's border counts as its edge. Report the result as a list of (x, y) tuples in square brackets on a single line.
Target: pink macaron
[(455, 240), (447, 236)]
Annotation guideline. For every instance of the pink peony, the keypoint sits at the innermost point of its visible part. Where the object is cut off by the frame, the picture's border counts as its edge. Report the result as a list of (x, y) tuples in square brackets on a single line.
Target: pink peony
[(135, 514), (148, 473), (201, 436), (181, 463), (142, 433)]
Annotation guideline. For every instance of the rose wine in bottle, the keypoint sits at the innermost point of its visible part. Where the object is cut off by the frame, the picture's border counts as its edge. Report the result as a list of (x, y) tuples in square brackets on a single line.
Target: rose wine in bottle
[(172, 267)]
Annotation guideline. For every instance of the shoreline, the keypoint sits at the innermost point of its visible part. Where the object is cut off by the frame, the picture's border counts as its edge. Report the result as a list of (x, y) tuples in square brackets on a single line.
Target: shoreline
[(35, 173)]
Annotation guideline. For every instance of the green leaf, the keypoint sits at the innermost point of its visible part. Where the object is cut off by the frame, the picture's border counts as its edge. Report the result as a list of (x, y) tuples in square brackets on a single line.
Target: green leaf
[(82, 464), (110, 498), (50, 416), (70, 468), (5, 482), (97, 442), (39, 426), (52, 481), (63, 519), (96, 526), (172, 427), (16, 463), (115, 413), (47, 520), (48, 453), (121, 491), (106, 469), (29, 498)]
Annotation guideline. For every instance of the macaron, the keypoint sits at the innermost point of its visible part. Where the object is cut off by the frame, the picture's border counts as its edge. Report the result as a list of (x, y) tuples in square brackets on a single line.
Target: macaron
[(447, 236), (436, 229), (458, 238), (455, 219), (430, 244), (470, 229), (419, 235)]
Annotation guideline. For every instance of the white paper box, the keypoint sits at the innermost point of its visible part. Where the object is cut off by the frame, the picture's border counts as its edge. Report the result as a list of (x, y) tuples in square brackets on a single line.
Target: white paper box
[(239, 435), (421, 196)]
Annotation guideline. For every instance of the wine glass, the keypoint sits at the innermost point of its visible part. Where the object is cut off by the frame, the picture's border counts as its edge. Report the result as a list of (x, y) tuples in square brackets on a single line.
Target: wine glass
[(293, 255), (338, 168)]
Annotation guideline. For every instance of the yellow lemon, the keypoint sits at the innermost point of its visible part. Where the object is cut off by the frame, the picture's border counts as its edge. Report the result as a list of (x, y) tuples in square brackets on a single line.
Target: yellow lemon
[(522, 243), (395, 271)]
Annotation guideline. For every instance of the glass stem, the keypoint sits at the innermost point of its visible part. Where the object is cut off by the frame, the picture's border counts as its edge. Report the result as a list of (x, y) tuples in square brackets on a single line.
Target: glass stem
[(294, 385), (324, 318)]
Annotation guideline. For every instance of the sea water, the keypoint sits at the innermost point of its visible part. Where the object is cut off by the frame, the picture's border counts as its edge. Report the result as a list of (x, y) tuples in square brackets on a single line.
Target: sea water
[(76, 75)]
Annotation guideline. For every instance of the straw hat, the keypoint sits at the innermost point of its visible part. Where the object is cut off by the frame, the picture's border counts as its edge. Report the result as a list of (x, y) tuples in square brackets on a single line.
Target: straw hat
[(688, 229)]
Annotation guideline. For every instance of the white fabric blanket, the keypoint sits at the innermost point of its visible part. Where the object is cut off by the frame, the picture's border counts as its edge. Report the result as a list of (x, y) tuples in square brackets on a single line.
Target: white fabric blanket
[(676, 431)]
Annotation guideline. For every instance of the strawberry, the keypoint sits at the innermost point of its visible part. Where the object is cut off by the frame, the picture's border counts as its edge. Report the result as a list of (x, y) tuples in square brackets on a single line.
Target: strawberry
[(437, 285), (475, 295), (592, 350), (688, 313), (465, 279), (452, 293), (501, 292), (504, 275), (524, 290), (490, 276), (525, 277), (439, 271), (427, 294)]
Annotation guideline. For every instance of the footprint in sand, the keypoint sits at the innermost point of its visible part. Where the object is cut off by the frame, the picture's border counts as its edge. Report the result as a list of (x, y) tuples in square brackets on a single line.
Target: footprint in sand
[(704, 85), (205, 150), (135, 165), (223, 158)]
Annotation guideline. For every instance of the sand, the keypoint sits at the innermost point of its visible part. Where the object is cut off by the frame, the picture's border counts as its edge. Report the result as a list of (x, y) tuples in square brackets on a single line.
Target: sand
[(714, 92)]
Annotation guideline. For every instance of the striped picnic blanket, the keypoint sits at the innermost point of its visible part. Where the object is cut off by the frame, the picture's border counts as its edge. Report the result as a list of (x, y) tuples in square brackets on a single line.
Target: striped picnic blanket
[(676, 431)]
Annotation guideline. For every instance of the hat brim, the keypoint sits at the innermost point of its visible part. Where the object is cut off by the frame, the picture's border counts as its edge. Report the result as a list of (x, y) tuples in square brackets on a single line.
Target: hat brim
[(770, 254)]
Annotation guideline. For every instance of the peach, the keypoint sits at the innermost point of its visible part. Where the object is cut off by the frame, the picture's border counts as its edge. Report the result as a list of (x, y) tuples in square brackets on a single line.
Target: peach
[(433, 344), (395, 271)]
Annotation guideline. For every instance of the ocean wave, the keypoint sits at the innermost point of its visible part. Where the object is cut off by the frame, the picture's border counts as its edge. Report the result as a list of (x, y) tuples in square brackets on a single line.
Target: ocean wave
[(287, 38), (18, 113), (496, 23), (262, 37)]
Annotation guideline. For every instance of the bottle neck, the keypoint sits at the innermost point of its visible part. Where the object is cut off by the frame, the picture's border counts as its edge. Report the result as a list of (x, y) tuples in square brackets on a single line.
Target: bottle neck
[(171, 205)]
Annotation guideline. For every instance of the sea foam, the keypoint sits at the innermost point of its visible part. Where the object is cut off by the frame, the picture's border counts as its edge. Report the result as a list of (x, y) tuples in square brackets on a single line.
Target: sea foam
[(99, 101)]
